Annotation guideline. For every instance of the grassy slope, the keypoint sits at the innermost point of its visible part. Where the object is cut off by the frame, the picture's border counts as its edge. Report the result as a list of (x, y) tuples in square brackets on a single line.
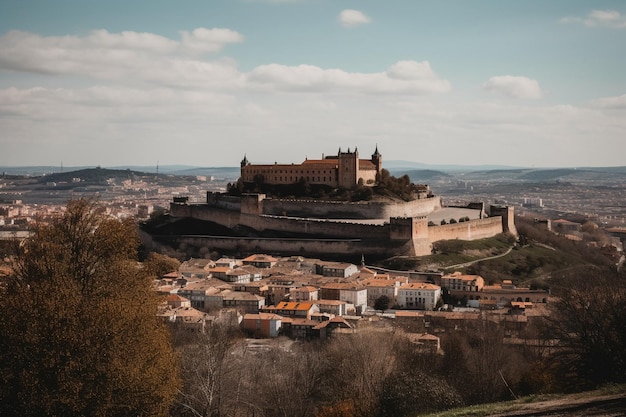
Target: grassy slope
[(532, 262), (534, 403)]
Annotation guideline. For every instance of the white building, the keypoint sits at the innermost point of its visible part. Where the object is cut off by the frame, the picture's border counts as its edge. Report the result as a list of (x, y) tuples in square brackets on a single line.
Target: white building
[(419, 296)]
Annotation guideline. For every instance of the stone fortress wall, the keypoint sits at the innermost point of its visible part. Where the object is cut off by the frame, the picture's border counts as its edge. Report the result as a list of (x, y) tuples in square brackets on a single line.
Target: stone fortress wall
[(390, 228)]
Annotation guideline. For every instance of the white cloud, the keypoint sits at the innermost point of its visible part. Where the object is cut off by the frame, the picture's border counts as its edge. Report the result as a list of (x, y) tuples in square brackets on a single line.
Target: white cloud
[(209, 40), (617, 102), (102, 52), (514, 86), (404, 77), (351, 18), (599, 18)]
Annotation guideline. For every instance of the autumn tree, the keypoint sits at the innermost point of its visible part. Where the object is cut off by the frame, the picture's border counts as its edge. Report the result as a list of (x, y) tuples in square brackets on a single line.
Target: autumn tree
[(80, 334), (157, 264)]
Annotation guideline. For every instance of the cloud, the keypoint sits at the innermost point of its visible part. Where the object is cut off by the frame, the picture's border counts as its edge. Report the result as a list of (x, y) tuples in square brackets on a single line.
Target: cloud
[(617, 102), (513, 86), (351, 18), (126, 57), (404, 77), (599, 18), (209, 40)]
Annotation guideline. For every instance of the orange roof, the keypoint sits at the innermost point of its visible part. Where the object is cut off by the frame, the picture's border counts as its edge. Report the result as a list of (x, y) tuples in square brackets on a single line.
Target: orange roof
[(320, 161), (420, 286), (260, 258), (294, 305)]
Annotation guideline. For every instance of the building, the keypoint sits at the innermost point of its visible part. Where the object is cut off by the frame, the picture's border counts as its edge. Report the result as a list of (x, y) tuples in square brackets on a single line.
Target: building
[(302, 310), (457, 283), (383, 285), (263, 325), (349, 292), (344, 170), (336, 269), (419, 296), (305, 293), (260, 261)]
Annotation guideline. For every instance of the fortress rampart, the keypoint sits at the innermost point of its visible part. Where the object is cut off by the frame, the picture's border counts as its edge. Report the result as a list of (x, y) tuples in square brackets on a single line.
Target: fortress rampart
[(259, 204), (396, 235), (350, 210), (470, 230)]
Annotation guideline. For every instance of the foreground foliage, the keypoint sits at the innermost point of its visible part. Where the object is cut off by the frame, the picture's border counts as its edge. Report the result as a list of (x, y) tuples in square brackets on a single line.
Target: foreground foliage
[(79, 335)]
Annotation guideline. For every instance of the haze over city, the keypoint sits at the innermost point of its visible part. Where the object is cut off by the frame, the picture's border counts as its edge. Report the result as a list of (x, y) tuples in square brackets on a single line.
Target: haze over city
[(202, 83)]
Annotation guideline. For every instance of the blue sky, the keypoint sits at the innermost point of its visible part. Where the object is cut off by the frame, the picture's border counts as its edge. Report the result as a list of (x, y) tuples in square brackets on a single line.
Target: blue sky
[(524, 83)]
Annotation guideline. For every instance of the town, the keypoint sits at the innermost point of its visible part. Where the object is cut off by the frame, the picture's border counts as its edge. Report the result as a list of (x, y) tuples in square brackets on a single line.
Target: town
[(446, 301)]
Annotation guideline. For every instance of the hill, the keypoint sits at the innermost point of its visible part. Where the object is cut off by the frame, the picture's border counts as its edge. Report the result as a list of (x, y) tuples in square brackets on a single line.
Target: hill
[(607, 401)]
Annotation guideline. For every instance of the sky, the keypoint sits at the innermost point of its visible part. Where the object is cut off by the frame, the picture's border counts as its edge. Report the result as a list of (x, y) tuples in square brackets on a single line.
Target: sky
[(111, 83)]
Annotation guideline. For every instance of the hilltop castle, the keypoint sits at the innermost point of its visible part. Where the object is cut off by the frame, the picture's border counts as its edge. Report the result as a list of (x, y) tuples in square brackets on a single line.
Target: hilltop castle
[(257, 223), (344, 170)]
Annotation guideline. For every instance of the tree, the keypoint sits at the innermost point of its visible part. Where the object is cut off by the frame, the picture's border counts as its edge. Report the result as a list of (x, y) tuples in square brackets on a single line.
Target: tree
[(208, 366), (157, 265), (82, 337), (382, 303), (588, 321)]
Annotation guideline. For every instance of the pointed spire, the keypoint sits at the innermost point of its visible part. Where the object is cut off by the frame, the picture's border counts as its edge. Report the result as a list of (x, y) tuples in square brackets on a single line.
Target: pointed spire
[(244, 161)]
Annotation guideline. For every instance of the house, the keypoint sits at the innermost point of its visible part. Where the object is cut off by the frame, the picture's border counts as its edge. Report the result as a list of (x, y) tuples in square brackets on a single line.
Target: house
[(260, 261), (335, 307), (457, 283), (243, 301), (293, 309), (349, 292), (229, 263), (238, 276), (382, 285), (336, 269), (195, 268), (302, 328), (175, 301), (419, 295), (197, 293), (258, 288), (305, 293), (187, 317), (262, 325)]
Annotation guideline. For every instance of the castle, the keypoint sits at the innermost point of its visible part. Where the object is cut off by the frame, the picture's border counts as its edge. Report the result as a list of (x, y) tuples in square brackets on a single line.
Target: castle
[(344, 170), (380, 228)]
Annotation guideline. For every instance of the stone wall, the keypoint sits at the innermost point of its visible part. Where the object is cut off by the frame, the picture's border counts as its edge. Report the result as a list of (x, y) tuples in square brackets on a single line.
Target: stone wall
[(408, 235), (470, 230), (327, 248), (349, 210), (315, 227)]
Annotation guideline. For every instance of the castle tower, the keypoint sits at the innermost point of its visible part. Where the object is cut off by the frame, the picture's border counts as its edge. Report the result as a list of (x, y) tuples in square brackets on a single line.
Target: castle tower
[(377, 159), (348, 166)]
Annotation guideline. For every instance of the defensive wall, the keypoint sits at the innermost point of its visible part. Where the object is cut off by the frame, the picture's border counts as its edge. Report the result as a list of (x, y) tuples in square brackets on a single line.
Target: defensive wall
[(469, 230), (327, 248), (349, 210), (402, 235)]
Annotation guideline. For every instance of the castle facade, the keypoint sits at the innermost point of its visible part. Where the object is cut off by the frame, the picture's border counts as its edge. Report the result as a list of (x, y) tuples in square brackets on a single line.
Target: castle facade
[(344, 170)]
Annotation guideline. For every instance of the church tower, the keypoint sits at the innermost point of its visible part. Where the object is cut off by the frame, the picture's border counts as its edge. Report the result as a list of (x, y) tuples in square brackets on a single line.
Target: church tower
[(377, 159)]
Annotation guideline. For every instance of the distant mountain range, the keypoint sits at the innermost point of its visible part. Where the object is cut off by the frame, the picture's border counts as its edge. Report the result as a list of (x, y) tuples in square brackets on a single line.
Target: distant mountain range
[(418, 172)]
